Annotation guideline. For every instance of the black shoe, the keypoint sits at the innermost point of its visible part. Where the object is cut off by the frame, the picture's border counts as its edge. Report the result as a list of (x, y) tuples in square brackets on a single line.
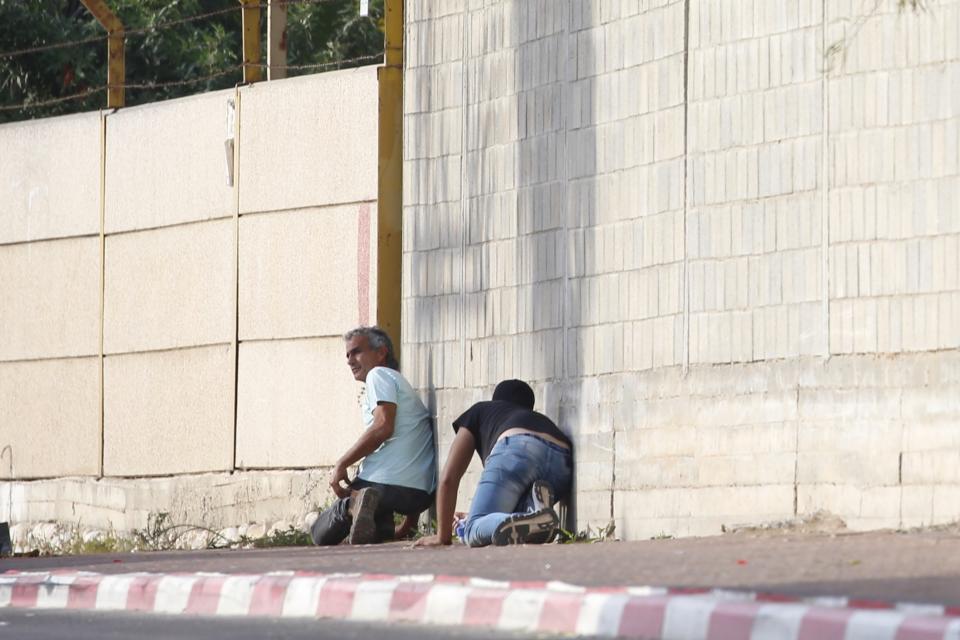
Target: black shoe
[(363, 506), (542, 494), (538, 527)]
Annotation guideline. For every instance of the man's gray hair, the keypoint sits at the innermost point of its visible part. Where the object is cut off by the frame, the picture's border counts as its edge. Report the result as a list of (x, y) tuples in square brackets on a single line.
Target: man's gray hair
[(376, 338)]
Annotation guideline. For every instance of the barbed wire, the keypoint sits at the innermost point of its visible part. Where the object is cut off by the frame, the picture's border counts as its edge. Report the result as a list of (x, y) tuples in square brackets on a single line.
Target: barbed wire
[(127, 32), (52, 101), (50, 47), (173, 23), (317, 65), (154, 27), (178, 83)]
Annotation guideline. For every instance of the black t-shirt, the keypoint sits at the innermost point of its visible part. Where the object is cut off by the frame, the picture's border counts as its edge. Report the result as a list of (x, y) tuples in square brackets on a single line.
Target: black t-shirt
[(487, 420)]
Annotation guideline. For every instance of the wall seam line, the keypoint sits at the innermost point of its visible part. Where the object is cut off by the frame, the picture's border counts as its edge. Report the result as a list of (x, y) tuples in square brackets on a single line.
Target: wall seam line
[(564, 206), (133, 352), (172, 225), (235, 342), (686, 186), (825, 187), (35, 241), (103, 278), (29, 360), (464, 200), (570, 516)]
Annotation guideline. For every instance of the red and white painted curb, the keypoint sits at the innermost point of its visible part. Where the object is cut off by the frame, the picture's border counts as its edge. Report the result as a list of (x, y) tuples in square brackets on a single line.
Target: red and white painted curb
[(632, 612)]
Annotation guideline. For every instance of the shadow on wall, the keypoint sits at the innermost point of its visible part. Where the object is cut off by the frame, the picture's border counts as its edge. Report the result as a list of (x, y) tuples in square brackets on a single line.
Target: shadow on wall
[(529, 192), (555, 165)]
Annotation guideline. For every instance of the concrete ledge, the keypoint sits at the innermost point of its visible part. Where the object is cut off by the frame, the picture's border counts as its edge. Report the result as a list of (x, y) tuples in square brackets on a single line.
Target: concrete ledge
[(211, 500), (869, 438)]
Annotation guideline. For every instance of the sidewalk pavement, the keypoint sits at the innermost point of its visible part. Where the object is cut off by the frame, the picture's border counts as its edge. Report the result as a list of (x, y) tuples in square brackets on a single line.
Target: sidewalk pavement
[(871, 585)]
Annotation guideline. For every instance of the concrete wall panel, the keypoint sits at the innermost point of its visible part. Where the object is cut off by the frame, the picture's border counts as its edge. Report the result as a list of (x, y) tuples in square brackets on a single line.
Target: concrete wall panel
[(168, 412), (166, 163), (307, 272), (49, 415), (309, 140), (298, 404), (50, 178), (50, 293), (169, 288)]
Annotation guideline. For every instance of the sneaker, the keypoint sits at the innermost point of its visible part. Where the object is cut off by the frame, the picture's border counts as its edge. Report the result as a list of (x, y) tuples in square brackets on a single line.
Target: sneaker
[(542, 494), (538, 527), (363, 506)]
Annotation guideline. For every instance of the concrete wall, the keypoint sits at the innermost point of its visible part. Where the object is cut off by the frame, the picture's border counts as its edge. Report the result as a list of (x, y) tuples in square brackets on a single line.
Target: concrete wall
[(222, 306), (725, 256)]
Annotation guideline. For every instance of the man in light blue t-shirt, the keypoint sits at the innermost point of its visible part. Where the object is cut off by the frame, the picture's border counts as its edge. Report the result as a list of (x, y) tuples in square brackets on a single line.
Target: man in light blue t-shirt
[(398, 467)]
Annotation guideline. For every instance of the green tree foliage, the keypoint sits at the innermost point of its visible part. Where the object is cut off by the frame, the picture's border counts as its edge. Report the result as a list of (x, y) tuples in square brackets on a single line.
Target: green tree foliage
[(318, 32)]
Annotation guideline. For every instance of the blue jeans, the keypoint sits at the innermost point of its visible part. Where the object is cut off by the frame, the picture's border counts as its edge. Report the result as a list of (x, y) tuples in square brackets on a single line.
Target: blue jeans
[(515, 463)]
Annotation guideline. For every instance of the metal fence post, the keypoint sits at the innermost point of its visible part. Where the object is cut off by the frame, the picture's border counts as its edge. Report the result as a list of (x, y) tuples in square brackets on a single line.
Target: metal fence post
[(116, 71), (251, 41)]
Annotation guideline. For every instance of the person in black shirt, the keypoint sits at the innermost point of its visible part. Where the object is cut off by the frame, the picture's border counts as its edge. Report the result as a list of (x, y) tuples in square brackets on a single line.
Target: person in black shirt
[(527, 467)]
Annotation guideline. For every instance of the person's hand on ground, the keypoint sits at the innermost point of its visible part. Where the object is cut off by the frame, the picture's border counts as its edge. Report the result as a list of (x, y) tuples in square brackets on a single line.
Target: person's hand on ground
[(339, 475), (430, 541)]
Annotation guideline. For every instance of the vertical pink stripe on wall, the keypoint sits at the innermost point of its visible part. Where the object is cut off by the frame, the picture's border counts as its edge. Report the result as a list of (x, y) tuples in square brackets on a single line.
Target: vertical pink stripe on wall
[(363, 264)]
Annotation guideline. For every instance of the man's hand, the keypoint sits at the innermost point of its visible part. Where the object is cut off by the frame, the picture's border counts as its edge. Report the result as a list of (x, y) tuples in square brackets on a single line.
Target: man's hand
[(339, 475), (378, 433), (431, 541)]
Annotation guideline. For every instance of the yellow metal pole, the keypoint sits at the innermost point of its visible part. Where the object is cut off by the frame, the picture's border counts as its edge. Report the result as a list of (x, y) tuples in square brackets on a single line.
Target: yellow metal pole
[(251, 41), (390, 176), (116, 71)]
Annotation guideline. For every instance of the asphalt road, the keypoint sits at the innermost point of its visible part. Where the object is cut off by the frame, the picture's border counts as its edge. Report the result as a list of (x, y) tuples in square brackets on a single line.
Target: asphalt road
[(19, 624), (889, 566)]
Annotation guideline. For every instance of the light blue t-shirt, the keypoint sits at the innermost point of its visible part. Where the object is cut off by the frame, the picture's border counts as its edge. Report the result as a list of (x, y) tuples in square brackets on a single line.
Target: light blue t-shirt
[(406, 458)]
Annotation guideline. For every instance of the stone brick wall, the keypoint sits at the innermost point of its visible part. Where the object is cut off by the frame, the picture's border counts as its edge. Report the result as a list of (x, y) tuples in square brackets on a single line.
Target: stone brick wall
[(720, 239)]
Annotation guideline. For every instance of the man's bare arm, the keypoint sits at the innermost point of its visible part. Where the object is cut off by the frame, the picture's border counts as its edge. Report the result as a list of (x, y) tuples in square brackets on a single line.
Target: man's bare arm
[(384, 416), (458, 459)]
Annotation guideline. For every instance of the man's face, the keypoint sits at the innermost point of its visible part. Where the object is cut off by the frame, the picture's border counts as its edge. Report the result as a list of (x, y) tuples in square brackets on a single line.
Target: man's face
[(361, 357)]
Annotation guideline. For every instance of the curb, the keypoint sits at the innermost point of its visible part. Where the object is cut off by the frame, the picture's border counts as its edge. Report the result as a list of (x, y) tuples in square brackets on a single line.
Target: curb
[(541, 607)]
